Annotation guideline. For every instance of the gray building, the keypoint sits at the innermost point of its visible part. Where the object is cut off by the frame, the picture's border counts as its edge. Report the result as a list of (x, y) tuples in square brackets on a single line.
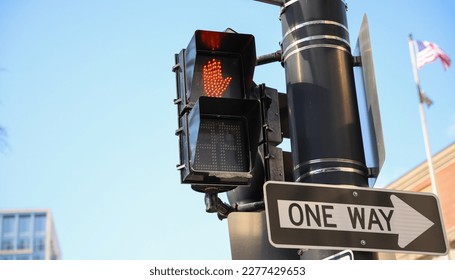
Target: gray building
[(28, 235)]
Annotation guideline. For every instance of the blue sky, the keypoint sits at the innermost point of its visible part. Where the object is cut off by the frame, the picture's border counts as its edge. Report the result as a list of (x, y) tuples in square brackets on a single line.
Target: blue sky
[(86, 92)]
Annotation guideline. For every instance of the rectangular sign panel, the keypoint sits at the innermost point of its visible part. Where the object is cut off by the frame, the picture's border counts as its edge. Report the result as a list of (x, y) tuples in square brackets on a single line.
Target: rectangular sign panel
[(301, 215), (346, 255)]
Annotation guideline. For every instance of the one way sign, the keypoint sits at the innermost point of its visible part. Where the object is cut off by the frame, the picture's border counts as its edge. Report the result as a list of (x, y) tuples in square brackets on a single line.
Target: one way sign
[(339, 217)]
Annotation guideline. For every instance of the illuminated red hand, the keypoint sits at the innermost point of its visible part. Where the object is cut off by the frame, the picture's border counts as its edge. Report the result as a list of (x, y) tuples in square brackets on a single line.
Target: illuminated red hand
[(212, 77)]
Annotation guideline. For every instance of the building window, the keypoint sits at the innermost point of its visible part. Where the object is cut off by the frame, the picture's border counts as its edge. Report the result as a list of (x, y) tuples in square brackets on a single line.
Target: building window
[(23, 243), (24, 223), (39, 244), (40, 223), (23, 257), (8, 224), (39, 256), (7, 243)]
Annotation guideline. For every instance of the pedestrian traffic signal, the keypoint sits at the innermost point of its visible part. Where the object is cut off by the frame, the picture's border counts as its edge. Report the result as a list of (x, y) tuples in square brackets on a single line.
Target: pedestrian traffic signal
[(219, 64), (219, 125)]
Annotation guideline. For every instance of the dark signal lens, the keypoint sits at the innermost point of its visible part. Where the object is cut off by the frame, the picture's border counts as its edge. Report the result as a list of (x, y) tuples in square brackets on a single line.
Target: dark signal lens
[(222, 145)]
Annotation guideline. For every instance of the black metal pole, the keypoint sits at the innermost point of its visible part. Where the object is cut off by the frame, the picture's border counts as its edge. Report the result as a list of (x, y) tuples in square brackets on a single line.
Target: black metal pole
[(323, 113)]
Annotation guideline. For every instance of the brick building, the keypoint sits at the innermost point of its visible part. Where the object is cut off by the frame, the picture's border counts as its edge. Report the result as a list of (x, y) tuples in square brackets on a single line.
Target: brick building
[(418, 180)]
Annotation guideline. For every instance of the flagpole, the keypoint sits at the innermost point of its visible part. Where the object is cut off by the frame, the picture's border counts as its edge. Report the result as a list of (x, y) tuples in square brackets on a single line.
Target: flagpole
[(434, 187), (424, 99)]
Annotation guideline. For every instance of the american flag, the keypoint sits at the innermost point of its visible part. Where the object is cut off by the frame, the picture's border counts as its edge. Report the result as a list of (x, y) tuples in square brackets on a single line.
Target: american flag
[(428, 52)]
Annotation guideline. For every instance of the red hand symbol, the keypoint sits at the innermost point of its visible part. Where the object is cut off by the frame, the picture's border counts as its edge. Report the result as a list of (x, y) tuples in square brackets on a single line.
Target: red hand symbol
[(212, 77)]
